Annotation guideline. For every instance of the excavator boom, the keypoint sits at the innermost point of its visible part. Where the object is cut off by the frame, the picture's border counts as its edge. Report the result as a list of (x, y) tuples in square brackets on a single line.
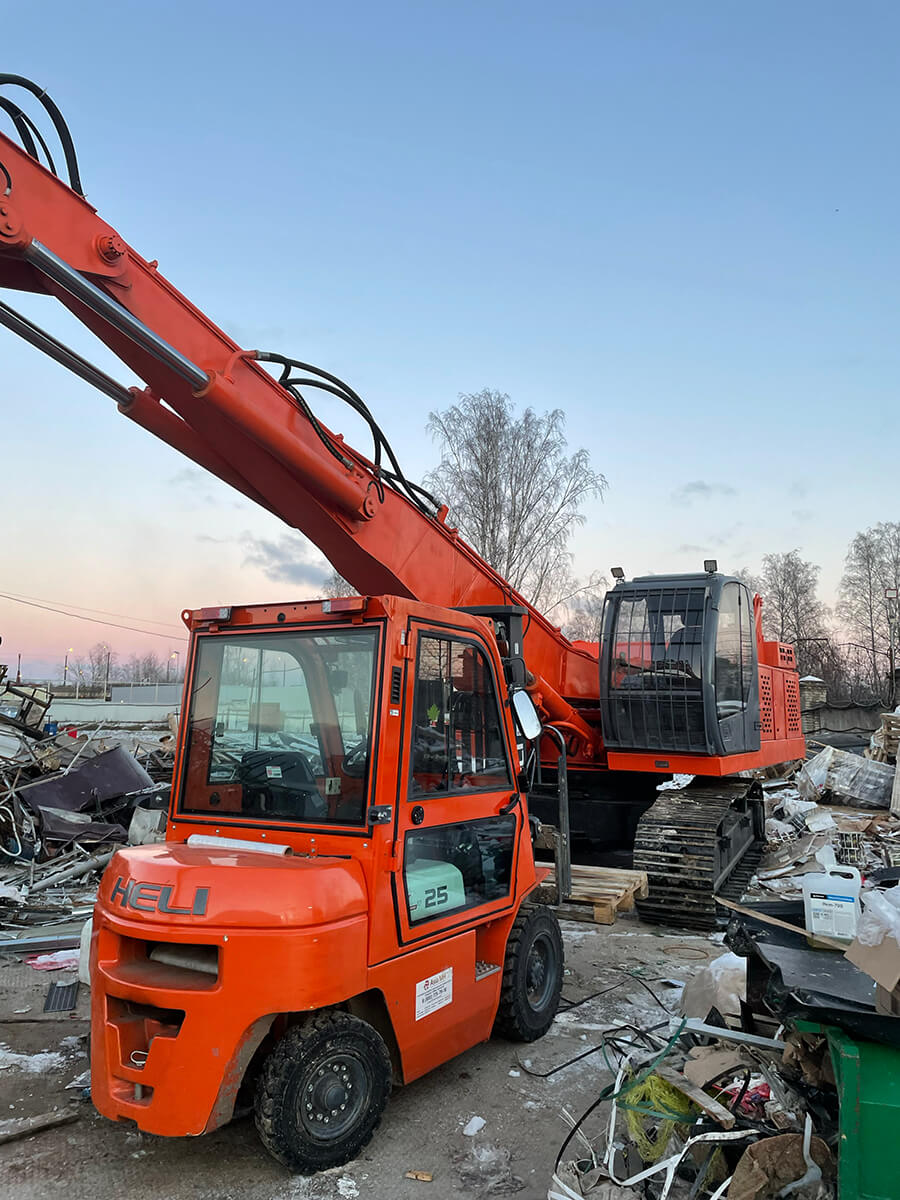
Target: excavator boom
[(217, 404)]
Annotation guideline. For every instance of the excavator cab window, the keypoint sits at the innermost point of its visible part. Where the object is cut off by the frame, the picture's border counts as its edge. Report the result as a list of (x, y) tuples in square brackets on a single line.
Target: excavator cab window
[(279, 726), (678, 669)]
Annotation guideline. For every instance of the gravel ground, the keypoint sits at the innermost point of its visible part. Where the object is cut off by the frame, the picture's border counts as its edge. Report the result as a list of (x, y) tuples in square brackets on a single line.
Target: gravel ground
[(512, 1153)]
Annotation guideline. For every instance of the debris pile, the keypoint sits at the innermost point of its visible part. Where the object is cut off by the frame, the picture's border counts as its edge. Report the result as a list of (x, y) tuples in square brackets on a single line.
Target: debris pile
[(885, 742), (835, 808), (699, 1110), (779, 1078), (66, 801)]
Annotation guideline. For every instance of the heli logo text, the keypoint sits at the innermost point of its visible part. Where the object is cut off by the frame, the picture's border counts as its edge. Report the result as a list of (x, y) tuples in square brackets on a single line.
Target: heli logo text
[(156, 897)]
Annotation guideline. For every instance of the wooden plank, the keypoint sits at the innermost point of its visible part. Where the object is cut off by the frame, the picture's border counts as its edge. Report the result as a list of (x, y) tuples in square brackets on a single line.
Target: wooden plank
[(719, 1113), (606, 881), (767, 920), (895, 791), (26, 1126), (605, 913)]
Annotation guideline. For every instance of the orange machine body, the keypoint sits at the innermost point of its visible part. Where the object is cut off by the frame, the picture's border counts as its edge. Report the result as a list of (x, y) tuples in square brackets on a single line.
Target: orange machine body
[(280, 935)]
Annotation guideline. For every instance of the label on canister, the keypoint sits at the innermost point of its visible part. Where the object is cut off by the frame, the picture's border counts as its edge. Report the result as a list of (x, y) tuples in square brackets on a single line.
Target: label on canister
[(833, 915)]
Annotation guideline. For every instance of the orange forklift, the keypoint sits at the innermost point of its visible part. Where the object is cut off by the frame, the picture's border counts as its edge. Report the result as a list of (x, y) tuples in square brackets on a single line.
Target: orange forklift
[(323, 920), (345, 896)]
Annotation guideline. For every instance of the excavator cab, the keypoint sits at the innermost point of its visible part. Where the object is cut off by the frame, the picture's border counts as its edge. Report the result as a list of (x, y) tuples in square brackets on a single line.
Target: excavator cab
[(679, 666)]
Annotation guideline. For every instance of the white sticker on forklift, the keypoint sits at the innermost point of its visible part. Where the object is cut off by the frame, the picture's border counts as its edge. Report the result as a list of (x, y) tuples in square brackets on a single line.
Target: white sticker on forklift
[(433, 993), (273, 772)]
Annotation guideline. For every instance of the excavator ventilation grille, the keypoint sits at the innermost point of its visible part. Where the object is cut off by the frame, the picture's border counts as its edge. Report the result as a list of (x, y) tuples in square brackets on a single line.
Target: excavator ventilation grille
[(766, 715), (792, 705)]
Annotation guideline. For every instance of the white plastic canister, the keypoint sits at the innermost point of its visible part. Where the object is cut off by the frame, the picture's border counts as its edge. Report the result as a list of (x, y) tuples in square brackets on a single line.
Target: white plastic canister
[(831, 902)]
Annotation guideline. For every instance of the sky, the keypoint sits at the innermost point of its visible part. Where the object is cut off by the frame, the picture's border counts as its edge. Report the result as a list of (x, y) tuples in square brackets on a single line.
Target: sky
[(676, 222)]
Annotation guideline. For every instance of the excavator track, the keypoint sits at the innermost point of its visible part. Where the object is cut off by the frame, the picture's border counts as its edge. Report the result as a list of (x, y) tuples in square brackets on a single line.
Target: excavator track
[(695, 843)]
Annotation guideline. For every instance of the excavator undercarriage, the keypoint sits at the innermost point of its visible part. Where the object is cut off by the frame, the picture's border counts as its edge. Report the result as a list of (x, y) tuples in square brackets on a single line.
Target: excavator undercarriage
[(695, 843)]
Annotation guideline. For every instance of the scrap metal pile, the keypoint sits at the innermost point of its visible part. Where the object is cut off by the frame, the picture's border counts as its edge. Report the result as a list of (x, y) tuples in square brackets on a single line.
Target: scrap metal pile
[(67, 800), (695, 1110), (778, 1078), (837, 807)]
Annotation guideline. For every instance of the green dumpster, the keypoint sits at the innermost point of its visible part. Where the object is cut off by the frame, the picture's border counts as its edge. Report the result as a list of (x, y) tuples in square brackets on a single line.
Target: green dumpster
[(868, 1085)]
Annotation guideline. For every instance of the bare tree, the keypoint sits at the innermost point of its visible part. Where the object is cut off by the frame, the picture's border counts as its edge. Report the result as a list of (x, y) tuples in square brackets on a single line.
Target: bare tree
[(337, 585), (101, 662), (792, 612), (753, 582), (512, 490), (871, 573), (144, 668), (584, 612)]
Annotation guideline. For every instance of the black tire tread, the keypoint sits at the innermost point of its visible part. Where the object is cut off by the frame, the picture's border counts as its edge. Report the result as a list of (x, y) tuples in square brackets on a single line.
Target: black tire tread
[(270, 1092), (511, 1020)]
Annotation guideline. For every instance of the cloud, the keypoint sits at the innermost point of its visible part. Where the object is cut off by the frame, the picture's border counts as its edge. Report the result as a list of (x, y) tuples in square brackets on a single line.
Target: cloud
[(689, 548), (701, 489), (188, 477), (802, 514), (195, 482), (287, 561)]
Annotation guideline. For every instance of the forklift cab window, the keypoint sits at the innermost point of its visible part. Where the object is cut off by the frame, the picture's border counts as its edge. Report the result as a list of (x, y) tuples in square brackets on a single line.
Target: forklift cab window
[(457, 743), (279, 726)]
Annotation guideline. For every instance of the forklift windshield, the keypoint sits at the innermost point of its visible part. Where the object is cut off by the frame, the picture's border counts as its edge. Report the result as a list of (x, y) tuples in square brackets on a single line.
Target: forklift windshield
[(279, 726)]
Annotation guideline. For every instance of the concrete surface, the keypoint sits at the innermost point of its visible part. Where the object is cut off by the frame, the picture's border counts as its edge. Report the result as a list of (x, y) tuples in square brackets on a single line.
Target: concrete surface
[(513, 1154)]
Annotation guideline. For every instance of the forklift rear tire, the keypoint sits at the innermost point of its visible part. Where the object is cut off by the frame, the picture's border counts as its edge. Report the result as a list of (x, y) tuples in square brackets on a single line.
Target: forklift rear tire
[(322, 1091), (532, 976)]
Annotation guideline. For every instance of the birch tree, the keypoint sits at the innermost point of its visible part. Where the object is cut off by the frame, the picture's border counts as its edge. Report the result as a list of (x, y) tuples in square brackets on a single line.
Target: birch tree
[(513, 490)]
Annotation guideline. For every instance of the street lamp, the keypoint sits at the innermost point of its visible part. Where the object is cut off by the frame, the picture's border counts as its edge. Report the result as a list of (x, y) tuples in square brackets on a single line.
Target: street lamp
[(175, 654), (69, 650), (105, 646)]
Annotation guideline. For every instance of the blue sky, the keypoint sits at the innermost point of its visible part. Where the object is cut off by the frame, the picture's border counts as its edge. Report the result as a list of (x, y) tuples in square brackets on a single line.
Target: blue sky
[(677, 222)]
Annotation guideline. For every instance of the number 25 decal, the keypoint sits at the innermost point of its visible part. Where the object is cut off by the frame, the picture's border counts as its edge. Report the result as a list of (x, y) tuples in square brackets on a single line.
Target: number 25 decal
[(436, 896)]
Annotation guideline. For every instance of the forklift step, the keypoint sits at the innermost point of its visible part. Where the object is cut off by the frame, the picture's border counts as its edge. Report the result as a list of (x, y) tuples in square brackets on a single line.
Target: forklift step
[(484, 969)]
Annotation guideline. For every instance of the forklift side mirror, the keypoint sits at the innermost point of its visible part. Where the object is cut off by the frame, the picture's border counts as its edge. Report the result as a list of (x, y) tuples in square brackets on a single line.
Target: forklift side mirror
[(526, 715)]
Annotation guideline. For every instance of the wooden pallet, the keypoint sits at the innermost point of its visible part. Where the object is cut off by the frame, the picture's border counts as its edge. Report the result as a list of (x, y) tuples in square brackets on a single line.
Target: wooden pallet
[(599, 894)]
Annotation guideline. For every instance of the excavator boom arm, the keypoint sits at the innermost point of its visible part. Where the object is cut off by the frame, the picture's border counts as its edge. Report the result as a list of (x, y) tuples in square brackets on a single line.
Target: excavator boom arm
[(216, 403)]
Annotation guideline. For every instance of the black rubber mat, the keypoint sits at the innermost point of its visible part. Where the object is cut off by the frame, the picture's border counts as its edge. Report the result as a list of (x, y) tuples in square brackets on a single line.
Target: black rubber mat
[(62, 997)]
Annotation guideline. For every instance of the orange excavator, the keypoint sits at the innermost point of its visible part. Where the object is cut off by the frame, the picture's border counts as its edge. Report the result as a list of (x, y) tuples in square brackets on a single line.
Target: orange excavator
[(346, 893)]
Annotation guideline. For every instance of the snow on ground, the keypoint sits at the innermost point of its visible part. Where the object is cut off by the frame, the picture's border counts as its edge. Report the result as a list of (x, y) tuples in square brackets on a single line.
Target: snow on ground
[(31, 1064)]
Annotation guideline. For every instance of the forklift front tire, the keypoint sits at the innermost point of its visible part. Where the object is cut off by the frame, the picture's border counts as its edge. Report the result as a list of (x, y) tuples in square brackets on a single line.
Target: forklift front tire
[(322, 1091), (532, 975)]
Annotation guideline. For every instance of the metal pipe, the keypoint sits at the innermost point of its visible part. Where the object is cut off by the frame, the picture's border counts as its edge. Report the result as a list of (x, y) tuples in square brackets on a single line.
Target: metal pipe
[(42, 340), (83, 868), (72, 281)]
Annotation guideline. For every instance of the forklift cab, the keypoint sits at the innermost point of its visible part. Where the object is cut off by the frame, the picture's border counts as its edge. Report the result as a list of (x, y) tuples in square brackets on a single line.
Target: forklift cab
[(679, 666)]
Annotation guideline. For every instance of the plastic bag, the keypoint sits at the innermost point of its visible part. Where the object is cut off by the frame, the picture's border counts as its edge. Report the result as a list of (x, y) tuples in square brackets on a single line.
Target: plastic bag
[(880, 917)]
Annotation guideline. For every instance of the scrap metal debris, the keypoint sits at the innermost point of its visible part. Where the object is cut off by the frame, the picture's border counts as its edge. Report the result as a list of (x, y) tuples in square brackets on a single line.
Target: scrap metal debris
[(68, 798)]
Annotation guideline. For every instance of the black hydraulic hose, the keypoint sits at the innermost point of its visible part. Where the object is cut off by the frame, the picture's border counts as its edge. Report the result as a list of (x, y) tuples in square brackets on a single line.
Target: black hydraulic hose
[(59, 124), (337, 387), (28, 131), (37, 133), (21, 125)]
